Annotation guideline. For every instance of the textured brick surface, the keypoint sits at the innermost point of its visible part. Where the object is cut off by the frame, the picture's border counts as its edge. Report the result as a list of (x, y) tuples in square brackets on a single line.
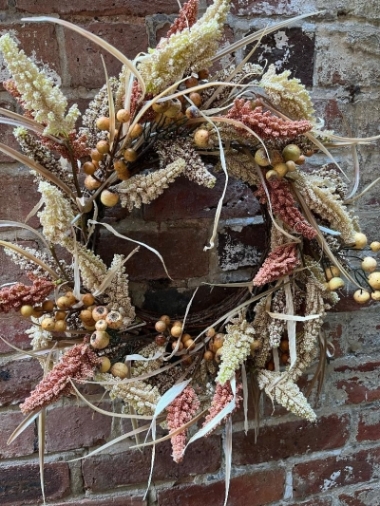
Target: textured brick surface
[(17, 379), (297, 438), (109, 471), (24, 444), (20, 484), (91, 7), (85, 64), (366, 496), (124, 500), (255, 489)]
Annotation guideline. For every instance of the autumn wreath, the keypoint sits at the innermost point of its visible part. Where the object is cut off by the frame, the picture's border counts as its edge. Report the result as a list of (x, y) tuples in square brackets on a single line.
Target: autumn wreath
[(257, 126)]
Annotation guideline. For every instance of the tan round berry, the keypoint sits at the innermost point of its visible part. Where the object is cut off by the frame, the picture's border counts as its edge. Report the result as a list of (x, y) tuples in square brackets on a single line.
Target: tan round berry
[(331, 272), (375, 246), (86, 315), (275, 157), (119, 165), (196, 98), (99, 313), (284, 345), (105, 364), (255, 346), (201, 138), (335, 283), (292, 167), (300, 160), (160, 326), (374, 280), (218, 355), (176, 330), (174, 109), (271, 175), (96, 155), (360, 240), (177, 343), (165, 318), (375, 295), (71, 298), (135, 131), (291, 152), (108, 198), (64, 302), (192, 112), (89, 168), (26, 310), (48, 305), (281, 169), (208, 356), (120, 370), (99, 340), (189, 344), (161, 106), (48, 324), (211, 332), (91, 183), (362, 296), (369, 264), (37, 312), (130, 155), (103, 123), (60, 326), (123, 115), (88, 299), (114, 320), (185, 337), (103, 147), (101, 325), (203, 74), (261, 158), (191, 82), (284, 358), (218, 341), (60, 315)]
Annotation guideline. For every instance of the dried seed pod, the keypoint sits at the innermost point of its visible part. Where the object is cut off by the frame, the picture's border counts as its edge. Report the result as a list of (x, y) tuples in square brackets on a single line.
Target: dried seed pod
[(108, 198), (360, 240), (362, 296), (135, 131), (89, 168), (196, 98), (160, 326), (99, 313), (374, 280), (60, 326), (261, 158), (336, 283), (123, 115), (103, 123), (48, 324), (375, 246), (91, 183), (99, 339), (130, 155), (48, 305), (291, 152), (114, 320), (165, 318), (176, 330), (26, 310), (120, 370), (88, 299), (64, 302), (331, 272), (369, 264), (101, 325), (201, 138), (103, 147), (281, 169), (60, 315)]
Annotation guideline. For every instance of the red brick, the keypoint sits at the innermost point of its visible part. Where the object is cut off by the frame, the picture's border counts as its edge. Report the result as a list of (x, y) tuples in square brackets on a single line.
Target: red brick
[(256, 489), (93, 7), (13, 330), (17, 379), (333, 472), (369, 425), (314, 502), (106, 501), (264, 7), (6, 134), (368, 496), (106, 472), (186, 200), (85, 65), (24, 444), (73, 427), (3, 4), (289, 439), (39, 39), (241, 247), (181, 248), (20, 484), (333, 330), (18, 196)]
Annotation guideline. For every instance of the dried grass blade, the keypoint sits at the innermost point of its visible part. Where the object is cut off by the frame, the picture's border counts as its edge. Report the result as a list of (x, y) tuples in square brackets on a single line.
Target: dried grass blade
[(23, 121), (111, 105), (97, 40), (121, 236), (38, 168), (367, 188), (30, 353), (22, 426), (112, 273), (9, 223), (227, 456), (245, 396), (41, 450)]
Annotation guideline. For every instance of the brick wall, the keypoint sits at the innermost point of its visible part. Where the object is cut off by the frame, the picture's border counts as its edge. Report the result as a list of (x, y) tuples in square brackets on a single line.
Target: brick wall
[(332, 462)]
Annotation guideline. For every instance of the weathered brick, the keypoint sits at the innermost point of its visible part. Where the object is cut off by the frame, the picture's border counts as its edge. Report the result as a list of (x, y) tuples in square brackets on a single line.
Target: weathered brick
[(18, 195), (291, 438), (333, 472), (186, 200), (289, 49), (93, 7), (85, 65), (368, 496), (339, 48), (106, 501), (37, 39), (20, 484), (240, 247), (3, 4), (360, 388), (326, 501), (369, 425), (342, 9), (267, 7), (24, 444), (73, 427), (13, 330), (17, 379), (181, 248), (256, 489), (109, 471), (6, 134)]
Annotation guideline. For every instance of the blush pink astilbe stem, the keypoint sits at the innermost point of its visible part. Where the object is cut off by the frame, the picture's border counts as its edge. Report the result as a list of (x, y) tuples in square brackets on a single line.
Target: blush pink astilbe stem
[(280, 262), (78, 364), (266, 124), (284, 206), (15, 296), (186, 18), (223, 395), (180, 412)]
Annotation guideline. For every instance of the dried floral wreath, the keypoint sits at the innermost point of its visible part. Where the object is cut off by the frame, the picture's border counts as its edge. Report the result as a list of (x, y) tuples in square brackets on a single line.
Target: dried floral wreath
[(259, 126)]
